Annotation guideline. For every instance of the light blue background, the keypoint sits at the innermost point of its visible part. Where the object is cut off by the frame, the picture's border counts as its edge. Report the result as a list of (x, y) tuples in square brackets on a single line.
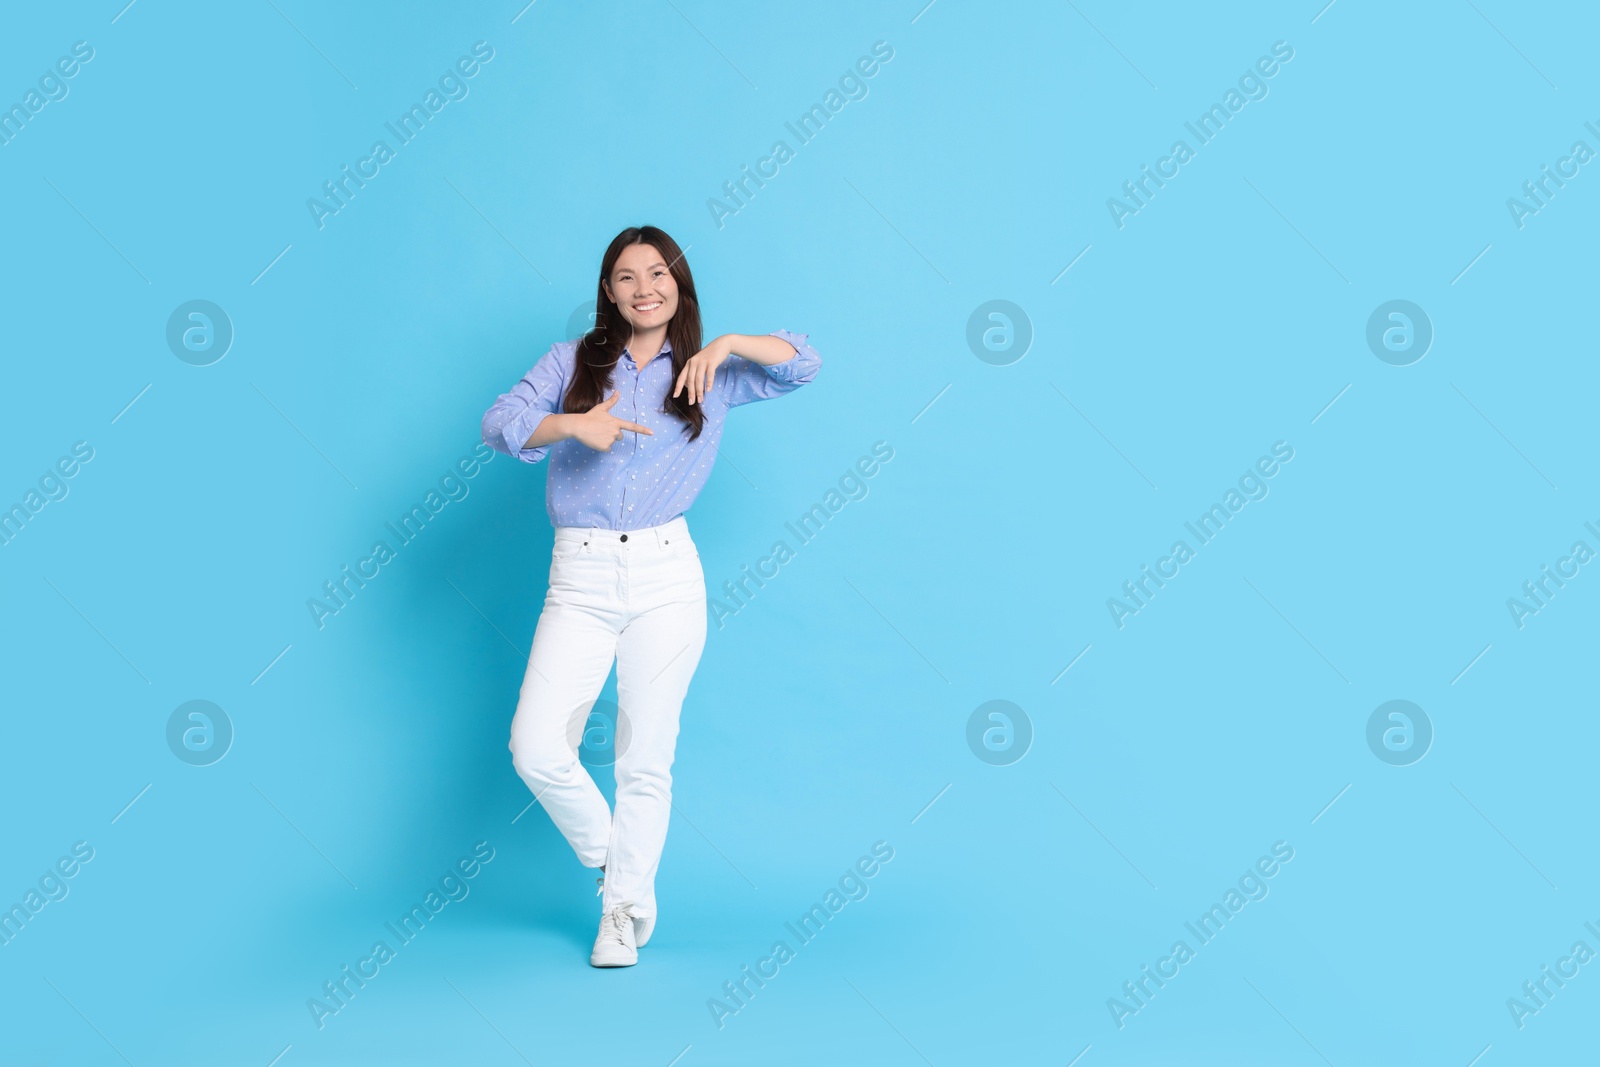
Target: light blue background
[(827, 714)]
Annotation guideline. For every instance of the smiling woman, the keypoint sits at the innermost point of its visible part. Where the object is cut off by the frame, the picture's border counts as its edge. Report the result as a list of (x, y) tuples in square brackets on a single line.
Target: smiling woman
[(625, 576)]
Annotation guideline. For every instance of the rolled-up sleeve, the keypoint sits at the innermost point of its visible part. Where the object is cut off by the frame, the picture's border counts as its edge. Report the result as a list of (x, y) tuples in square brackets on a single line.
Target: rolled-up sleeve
[(750, 381), (514, 416)]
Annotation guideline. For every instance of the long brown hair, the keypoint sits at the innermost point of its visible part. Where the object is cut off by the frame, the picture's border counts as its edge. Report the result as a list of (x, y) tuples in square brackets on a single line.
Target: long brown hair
[(601, 347)]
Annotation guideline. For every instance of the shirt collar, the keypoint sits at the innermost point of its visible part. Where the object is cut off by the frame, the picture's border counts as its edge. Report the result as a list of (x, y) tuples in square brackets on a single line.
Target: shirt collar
[(666, 350)]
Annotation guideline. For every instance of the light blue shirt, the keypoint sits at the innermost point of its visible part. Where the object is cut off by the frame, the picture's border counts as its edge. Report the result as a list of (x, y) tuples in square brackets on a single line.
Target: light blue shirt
[(645, 479)]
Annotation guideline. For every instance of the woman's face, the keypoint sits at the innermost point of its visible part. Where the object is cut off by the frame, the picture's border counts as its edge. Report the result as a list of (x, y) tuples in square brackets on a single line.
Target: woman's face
[(642, 288)]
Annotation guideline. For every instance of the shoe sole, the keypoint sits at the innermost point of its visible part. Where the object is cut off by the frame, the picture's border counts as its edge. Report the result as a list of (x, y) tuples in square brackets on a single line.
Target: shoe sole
[(613, 961)]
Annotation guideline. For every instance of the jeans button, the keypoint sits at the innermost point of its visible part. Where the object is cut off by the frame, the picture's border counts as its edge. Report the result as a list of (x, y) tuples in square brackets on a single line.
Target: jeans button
[(624, 537)]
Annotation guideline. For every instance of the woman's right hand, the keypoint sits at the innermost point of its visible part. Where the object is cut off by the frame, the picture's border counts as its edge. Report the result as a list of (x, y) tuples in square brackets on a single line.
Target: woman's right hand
[(599, 429)]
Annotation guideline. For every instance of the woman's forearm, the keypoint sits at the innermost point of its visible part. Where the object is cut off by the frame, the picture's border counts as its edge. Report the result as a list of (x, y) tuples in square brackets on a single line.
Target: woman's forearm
[(551, 428), (759, 348)]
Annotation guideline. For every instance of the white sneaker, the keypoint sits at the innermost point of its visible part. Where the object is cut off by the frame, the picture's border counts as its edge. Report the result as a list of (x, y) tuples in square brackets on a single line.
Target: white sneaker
[(615, 945), (643, 925)]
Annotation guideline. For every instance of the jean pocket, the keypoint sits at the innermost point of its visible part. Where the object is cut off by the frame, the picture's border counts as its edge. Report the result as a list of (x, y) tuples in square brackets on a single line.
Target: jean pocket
[(565, 548)]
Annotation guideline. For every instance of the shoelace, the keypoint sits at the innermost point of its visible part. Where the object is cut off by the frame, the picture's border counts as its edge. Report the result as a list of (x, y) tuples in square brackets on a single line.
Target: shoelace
[(616, 920)]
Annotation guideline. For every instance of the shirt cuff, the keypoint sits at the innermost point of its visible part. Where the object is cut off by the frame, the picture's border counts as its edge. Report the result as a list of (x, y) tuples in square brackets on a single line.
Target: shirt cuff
[(519, 429), (797, 367)]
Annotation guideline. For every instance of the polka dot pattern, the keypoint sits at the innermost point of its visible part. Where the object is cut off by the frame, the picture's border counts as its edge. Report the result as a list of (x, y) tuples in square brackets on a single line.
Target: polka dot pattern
[(645, 479)]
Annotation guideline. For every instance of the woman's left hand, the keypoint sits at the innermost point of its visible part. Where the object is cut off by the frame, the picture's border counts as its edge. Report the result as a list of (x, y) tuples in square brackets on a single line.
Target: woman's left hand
[(699, 373)]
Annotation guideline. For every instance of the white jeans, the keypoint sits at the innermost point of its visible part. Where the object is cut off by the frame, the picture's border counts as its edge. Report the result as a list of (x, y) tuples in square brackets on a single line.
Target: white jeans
[(638, 596)]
